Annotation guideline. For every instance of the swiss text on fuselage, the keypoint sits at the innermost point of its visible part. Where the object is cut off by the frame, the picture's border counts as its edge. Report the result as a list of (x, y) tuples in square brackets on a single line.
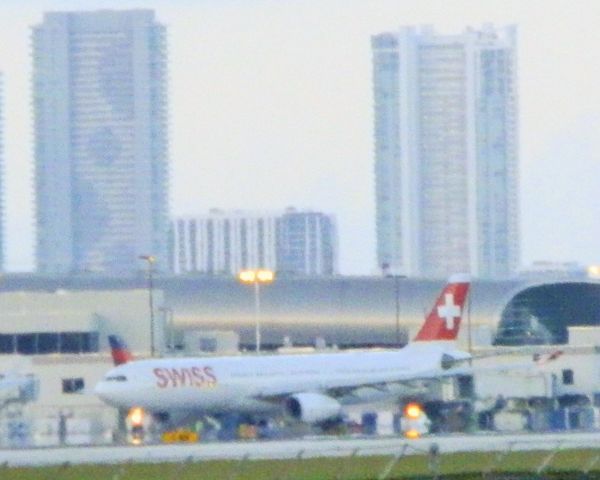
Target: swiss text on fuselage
[(202, 377)]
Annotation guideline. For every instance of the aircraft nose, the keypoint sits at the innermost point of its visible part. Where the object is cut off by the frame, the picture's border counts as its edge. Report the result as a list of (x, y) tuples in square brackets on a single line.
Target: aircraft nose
[(100, 390), (105, 392), (111, 394)]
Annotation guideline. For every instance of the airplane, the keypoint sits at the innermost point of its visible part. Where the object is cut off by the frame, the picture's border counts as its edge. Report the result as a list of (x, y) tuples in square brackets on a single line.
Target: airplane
[(310, 388)]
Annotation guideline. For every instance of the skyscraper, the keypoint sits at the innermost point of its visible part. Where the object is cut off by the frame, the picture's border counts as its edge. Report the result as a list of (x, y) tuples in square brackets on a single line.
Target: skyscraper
[(1, 174), (99, 84), (446, 151)]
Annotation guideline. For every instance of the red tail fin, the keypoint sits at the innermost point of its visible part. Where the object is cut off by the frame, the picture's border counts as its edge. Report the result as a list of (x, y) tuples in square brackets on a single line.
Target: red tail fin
[(119, 351), (443, 321)]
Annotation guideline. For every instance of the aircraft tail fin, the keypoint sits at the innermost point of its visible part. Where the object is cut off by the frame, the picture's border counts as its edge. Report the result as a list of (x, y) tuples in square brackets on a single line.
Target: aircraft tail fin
[(119, 350), (443, 322)]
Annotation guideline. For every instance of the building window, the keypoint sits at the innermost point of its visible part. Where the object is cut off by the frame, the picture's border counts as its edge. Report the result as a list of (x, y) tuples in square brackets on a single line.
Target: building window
[(7, 344), (208, 344), (568, 377), (70, 342), (73, 385), (47, 343), (26, 343), (90, 342)]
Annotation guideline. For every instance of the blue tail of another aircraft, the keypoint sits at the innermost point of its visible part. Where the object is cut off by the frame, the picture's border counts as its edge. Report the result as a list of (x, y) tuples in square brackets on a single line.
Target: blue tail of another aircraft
[(119, 350)]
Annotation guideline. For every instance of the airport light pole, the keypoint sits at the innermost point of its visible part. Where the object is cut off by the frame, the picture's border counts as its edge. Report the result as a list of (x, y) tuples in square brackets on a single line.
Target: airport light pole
[(150, 260), (397, 296), (256, 278)]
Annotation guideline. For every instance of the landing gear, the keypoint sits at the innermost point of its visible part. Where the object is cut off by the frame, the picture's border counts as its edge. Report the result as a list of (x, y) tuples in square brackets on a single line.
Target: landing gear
[(333, 426)]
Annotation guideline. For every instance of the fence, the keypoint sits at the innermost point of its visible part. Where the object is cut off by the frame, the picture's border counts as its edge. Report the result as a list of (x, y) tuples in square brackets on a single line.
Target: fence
[(381, 458)]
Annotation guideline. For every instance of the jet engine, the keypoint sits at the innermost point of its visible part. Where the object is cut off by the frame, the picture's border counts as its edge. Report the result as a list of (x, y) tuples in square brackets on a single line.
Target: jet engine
[(312, 407), (453, 359)]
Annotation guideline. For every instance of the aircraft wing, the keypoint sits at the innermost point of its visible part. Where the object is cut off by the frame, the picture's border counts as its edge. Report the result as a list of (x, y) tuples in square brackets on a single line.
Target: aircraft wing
[(344, 388), (460, 367)]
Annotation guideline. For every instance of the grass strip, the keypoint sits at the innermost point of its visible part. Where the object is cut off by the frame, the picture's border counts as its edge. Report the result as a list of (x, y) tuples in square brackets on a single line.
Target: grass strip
[(565, 465)]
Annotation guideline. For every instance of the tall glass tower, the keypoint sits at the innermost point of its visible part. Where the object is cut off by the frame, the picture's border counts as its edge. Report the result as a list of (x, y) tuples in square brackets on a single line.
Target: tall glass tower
[(2, 254), (446, 151), (101, 179)]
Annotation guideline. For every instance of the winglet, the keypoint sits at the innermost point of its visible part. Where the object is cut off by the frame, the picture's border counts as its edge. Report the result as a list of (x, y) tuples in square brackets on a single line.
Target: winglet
[(443, 322), (119, 350)]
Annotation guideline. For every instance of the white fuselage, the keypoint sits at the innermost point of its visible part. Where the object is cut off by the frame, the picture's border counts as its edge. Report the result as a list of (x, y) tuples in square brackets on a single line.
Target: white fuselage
[(255, 383)]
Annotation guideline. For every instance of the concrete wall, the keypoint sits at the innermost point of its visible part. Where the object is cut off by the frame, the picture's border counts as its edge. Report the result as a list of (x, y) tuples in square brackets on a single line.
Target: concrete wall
[(123, 312)]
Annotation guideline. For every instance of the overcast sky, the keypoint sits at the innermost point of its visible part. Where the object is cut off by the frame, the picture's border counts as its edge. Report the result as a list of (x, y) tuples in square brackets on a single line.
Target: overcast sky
[(271, 106)]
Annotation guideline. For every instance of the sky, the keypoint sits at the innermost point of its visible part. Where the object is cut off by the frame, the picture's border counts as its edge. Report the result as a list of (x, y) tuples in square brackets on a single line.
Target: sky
[(271, 106)]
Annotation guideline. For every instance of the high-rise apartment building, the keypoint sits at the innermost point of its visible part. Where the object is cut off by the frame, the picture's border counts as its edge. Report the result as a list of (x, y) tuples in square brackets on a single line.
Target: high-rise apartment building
[(446, 151), (307, 243), (1, 173), (101, 180), (226, 242)]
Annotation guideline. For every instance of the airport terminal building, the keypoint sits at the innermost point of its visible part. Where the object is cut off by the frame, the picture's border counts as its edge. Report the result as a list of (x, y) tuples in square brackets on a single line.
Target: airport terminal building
[(58, 326), (346, 311)]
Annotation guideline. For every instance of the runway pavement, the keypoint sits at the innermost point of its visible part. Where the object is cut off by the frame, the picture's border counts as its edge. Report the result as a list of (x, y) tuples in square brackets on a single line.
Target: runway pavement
[(305, 448)]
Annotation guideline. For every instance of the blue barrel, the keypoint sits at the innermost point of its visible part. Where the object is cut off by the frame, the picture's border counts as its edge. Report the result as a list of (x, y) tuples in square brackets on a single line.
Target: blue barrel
[(558, 419), (369, 423), (229, 427)]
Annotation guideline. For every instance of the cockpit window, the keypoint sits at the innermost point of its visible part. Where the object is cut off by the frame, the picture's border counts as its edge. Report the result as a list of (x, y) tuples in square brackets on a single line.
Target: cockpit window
[(116, 378)]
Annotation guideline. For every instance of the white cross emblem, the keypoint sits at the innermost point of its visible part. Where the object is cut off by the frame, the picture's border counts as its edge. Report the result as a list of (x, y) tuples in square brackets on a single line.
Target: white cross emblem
[(449, 311)]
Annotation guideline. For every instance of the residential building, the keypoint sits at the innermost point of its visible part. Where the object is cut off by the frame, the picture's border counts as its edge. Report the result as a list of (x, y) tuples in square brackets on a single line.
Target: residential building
[(101, 180), (307, 243), (226, 242), (446, 151)]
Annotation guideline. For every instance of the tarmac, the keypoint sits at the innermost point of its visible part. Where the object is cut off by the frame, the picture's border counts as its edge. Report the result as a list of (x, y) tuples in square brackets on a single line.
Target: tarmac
[(307, 447)]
